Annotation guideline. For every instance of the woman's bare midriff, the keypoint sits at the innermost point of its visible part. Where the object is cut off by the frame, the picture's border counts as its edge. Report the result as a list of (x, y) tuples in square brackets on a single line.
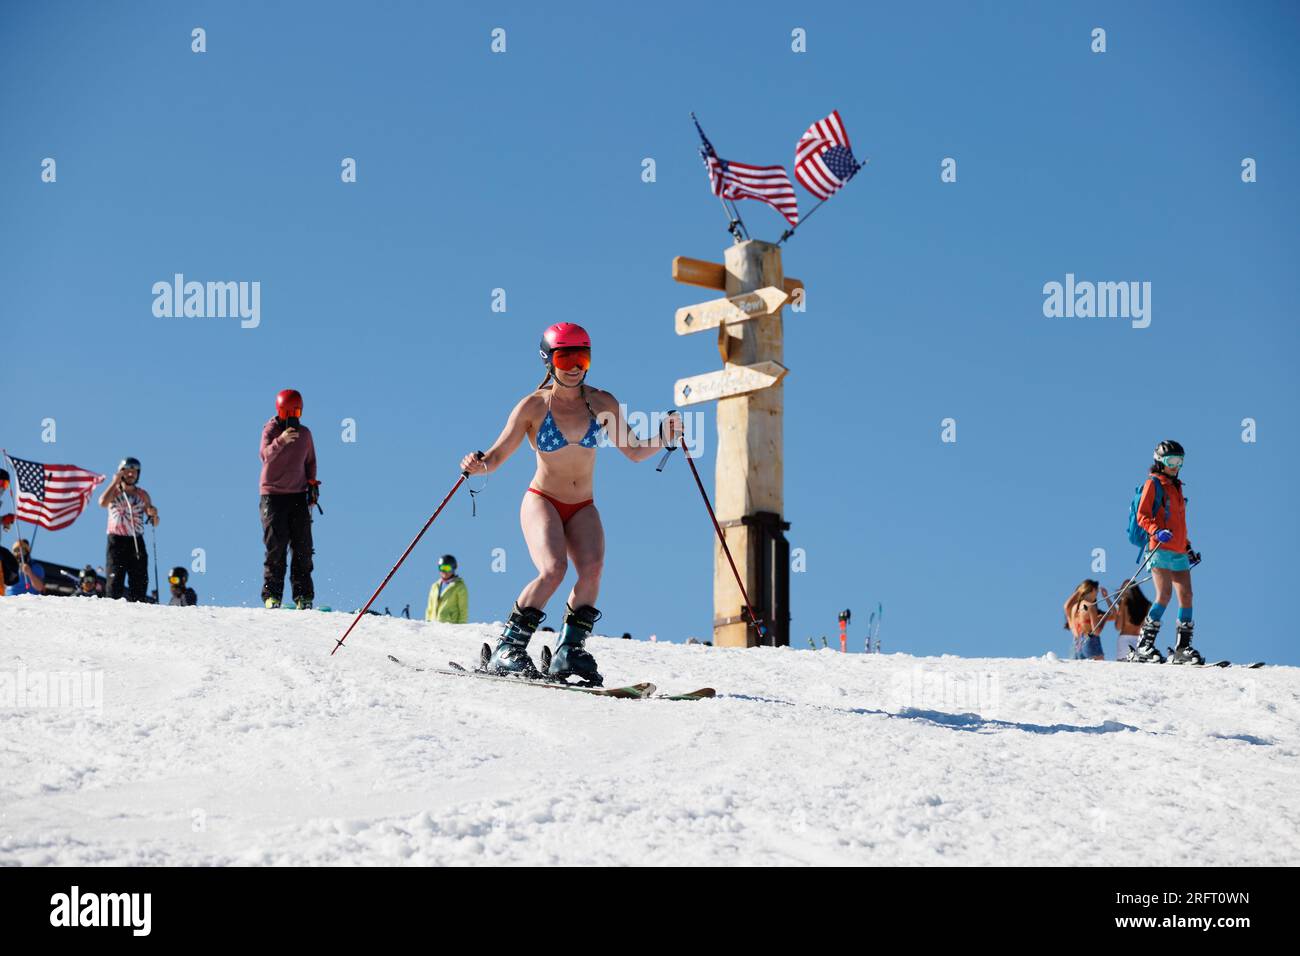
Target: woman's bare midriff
[(571, 479)]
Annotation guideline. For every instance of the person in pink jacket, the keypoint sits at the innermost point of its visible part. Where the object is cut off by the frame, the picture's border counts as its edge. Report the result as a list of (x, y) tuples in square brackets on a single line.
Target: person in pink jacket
[(288, 491)]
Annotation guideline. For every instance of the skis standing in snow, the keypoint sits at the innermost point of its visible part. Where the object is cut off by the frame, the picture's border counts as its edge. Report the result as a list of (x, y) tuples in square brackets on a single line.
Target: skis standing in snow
[(558, 514), (1161, 512)]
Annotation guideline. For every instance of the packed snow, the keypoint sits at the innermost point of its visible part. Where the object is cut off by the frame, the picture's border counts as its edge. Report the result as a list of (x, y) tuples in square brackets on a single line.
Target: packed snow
[(134, 734)]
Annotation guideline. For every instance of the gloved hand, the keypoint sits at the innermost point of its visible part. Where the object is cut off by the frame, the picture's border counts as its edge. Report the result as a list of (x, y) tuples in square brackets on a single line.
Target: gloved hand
[(1194, 555), (1164, 536), (313, 492)]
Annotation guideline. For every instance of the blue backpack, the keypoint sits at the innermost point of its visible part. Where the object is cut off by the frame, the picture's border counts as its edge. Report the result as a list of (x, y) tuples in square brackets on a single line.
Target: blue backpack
[(1136, 533)]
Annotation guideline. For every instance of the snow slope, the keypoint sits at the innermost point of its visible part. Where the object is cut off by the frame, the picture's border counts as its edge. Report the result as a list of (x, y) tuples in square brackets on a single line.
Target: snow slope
[(230, 735)]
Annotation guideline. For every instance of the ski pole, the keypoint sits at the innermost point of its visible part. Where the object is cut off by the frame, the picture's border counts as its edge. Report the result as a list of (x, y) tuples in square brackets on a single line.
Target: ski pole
[(409, 548), (762, 631), (157, 579), (1122, 591), (1111, 604)]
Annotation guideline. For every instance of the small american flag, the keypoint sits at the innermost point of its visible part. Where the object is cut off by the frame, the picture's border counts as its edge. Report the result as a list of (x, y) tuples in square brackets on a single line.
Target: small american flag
[(823, 158), (732, 180), (51, 496)]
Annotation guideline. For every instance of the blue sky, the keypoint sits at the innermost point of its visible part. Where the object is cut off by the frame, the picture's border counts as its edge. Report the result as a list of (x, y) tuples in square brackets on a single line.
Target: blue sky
[(522, 171)]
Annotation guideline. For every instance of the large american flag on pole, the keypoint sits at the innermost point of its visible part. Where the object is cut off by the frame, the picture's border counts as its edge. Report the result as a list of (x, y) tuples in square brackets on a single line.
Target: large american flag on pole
[(823, 157), (51, 496), (732, 180)]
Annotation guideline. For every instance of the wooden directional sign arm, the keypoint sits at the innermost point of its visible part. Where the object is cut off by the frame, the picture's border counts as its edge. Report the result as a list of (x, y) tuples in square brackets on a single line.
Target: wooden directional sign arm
[(727, 382), (713, 275), (739, 308)]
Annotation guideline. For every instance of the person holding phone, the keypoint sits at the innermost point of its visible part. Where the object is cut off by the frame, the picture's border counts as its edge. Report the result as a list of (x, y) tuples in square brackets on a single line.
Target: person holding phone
[(287, 487)]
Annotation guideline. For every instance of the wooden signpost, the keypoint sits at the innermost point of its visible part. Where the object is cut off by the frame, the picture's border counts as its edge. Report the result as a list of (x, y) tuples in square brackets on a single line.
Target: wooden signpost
[(749, 476)]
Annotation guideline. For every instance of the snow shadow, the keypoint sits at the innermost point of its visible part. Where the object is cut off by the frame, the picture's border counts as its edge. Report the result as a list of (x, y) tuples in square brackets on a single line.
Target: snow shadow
[(976, 722), (1248, 738), (967, 722)]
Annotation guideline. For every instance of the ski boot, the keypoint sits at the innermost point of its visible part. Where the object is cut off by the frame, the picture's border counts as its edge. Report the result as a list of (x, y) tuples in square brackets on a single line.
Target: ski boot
[(571, 657), (1146, 651), (302, 604), (271, 603), (1183, 652), (511, 654)]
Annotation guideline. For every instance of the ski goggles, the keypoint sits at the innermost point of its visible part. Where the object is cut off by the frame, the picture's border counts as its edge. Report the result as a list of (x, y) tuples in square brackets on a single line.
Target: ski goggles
[(1171, 461), (174, 579), (566, 360), (446, 568)]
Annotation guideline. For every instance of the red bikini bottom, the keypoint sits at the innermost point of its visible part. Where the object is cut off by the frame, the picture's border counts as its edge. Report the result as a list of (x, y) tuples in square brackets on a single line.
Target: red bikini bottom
[(565, 509)]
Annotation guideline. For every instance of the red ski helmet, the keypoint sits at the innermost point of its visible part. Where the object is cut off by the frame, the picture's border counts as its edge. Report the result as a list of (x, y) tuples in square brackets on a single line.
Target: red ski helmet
[(288, 404), (564, 335)]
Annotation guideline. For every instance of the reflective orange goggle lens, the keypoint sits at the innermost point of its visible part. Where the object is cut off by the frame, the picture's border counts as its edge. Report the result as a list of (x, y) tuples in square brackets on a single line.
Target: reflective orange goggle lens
[(174, 579), (566, 360)]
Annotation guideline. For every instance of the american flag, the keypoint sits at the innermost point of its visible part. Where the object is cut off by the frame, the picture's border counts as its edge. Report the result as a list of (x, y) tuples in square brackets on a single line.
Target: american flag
[(732, 180), (51, 496), (823, 158)]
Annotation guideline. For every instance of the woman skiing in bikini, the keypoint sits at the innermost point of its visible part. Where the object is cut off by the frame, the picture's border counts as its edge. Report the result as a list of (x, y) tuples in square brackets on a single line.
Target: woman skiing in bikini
[(560, 522)]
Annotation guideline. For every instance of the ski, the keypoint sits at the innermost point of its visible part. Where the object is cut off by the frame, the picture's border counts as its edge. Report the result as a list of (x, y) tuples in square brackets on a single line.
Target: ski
[(1253, 665), (640, 691), (704, 693)]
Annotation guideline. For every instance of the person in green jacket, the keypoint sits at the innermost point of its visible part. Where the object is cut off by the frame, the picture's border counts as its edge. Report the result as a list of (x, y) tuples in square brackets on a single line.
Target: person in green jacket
[(448, 598)]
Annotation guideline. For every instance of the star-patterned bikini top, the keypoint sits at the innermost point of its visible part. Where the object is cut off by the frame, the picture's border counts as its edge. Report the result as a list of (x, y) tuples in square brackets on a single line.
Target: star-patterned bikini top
[(550, 438)]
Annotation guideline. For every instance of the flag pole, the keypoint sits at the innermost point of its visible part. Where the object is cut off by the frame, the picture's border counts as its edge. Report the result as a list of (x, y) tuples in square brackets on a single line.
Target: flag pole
[(13, 480), (735, 224), (790, 232)]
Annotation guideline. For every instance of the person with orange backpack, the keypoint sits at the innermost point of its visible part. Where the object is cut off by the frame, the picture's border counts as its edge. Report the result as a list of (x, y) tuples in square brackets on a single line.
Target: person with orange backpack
[(1158, 521)]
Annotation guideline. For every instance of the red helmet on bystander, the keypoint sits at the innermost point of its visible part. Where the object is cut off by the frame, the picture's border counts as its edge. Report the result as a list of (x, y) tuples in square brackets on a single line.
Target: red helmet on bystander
[(288, 404)]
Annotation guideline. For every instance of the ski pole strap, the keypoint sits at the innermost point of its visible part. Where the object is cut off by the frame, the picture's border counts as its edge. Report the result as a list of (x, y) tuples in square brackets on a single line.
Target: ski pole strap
[(669, 449), (475, 492)]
